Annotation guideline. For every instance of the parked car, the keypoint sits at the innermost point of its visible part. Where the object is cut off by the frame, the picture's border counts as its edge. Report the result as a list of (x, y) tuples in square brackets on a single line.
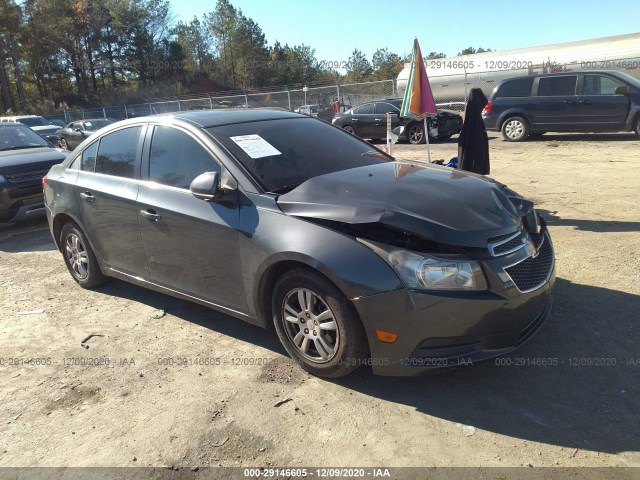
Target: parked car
[(56, 121), (38, 124), (76, 132), (369, 121), (564, 102), (287, 222), (25, 157), (311, 110)]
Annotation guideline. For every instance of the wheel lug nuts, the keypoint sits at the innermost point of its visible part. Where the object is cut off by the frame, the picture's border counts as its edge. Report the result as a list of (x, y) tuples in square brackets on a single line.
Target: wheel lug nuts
[(302, 320), (306, 330), (308, 316), (315, 333)]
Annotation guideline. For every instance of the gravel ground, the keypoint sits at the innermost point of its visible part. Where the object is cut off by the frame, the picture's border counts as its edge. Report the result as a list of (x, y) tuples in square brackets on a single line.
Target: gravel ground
[(149, 407)]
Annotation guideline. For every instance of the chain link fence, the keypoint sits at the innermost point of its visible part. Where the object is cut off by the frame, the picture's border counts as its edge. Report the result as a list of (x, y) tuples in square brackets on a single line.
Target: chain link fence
[(350, 95)]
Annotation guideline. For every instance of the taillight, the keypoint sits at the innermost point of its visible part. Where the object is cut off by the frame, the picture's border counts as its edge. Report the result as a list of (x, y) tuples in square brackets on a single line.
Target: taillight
[(44, 183), (487, 107)]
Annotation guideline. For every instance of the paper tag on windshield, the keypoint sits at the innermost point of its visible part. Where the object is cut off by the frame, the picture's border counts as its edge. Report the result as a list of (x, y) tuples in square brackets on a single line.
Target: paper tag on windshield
[(255, 146)]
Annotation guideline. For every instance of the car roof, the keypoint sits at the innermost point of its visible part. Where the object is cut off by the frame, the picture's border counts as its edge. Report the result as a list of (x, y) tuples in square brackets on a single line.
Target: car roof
[(213, 118), (559, 74)]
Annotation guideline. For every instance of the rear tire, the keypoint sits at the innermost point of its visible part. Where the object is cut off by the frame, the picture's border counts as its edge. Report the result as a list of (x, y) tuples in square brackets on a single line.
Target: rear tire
[(317, 325), (349, 129), (515, 129), (637, 129), (79, 257)]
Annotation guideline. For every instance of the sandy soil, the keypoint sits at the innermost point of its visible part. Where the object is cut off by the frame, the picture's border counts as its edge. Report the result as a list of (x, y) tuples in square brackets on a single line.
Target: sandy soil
[(148, 407)]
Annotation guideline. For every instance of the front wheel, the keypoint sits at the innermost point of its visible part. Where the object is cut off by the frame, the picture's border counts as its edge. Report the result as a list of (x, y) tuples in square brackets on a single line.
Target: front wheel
[(515, 129), (349, 129), (317, 324), (79, 257), (415, 134)]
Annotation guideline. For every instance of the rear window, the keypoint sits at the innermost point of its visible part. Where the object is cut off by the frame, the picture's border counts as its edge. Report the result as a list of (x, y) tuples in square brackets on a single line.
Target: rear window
[(557, 86), (117, 153), (520, 87)]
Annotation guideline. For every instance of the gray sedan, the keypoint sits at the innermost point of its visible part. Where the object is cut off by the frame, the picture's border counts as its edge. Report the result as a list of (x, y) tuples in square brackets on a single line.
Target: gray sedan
[(289, 223)]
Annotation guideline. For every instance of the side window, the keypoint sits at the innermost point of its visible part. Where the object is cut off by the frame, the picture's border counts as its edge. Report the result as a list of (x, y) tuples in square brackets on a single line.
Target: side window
[(117, 153), (176, 158), (89, 157), (364, 109), (384, 107), (557, 86), (520, 87), (600, 85)]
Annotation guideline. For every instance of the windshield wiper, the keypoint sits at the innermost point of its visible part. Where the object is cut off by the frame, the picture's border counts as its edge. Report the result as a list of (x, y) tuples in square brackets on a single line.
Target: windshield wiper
[(23, 147), (284, 189)]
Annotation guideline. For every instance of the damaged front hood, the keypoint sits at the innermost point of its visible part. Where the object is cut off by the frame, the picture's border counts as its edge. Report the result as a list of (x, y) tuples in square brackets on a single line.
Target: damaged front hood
[(437, 203)]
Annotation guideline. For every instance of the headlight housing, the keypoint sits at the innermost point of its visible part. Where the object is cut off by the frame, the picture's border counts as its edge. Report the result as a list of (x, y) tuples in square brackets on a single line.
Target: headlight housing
[(426, 272)]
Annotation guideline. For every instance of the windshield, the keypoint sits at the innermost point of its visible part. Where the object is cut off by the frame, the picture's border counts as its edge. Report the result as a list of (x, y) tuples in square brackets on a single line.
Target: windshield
[(14, 137), (281, 154), (34, 122), (94, 125)]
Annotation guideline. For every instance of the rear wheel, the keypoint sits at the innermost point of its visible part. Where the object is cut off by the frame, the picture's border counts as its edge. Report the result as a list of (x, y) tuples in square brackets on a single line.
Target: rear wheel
[(515, 129), (349, 129), (79, 257), (415, 134), (637, 129), (317, 324)]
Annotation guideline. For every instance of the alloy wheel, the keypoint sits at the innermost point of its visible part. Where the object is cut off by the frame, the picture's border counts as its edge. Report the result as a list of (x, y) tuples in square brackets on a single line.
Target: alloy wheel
[(514, 129), (310, 325), (77, 256)]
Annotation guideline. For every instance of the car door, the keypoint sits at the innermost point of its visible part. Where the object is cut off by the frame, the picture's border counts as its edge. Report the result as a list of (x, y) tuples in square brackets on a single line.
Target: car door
[(380, 119), (192, 246), (362, 120), (555, 104), (106, 190), (599, 106)]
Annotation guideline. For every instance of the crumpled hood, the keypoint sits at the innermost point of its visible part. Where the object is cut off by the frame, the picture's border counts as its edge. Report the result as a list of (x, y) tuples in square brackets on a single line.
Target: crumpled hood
[(437, 203)]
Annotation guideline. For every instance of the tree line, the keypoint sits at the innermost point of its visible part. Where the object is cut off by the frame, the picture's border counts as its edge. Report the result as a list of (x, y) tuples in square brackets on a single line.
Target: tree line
[(58, 54)]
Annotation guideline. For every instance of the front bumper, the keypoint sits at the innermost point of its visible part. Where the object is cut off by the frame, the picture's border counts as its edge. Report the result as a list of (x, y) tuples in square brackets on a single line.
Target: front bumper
[(448, 329), (18, 205)]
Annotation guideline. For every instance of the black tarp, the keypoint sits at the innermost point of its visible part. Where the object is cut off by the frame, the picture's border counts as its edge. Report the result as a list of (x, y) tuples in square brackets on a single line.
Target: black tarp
[(473, 144)]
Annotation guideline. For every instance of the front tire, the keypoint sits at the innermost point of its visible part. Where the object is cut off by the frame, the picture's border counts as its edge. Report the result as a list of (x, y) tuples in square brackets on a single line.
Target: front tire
[(415, 134), (515, 129), (79, 257), (317, 324), (349, 129)]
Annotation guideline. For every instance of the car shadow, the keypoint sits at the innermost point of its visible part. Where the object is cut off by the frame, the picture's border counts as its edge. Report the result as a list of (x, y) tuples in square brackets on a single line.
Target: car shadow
[(589, 400), (573, 385), (600, 226), (31, 236)]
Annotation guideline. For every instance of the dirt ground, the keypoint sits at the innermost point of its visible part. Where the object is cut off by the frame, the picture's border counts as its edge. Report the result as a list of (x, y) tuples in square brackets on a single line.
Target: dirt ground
[(193, 387)]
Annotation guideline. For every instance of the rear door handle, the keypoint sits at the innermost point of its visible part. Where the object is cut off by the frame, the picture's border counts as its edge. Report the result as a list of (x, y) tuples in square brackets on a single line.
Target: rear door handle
[(354, 119), (570, 102), (586, 102), (87, 196), (150, 214)]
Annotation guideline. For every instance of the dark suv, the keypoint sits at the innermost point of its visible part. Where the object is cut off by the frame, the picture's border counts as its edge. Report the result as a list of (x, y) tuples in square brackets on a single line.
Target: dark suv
[(369, 121), (564, 102), (25, 157)]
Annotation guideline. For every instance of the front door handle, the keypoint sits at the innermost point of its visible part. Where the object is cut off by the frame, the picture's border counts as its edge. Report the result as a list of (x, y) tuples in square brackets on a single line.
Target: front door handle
[(354, 119), (150, 214), (570, 102), (87, 196), (586, 102)]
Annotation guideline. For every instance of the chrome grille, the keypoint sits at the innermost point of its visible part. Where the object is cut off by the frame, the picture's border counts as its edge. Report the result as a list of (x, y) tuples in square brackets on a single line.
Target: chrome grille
[(534, 271), (507, 243)]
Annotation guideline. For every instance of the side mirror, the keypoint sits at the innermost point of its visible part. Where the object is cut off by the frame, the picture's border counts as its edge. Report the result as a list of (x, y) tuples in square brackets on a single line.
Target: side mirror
[(207, 187), (622, 90)]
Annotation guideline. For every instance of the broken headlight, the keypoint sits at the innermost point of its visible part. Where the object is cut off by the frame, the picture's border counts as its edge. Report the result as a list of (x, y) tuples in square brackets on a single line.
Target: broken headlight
[(427, 272)]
